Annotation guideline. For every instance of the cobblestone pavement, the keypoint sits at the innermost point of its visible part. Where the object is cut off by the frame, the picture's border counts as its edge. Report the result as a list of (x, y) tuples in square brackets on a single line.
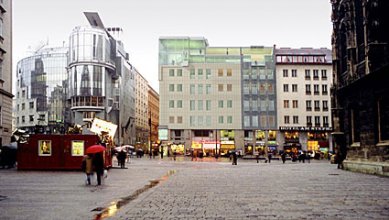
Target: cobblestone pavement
[(203, 189)]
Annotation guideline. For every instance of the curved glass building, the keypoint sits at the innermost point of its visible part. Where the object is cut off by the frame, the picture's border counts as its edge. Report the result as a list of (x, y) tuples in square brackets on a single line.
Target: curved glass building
[(90, 69), (41, 91), (100, 77)]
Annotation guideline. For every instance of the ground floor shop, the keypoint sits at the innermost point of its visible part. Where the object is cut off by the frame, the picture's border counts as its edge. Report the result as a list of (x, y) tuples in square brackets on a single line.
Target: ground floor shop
[(248, 142), (309, 139)]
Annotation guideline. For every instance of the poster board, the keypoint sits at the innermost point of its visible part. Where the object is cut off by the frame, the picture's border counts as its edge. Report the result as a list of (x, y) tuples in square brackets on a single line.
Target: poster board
[(100, 125)]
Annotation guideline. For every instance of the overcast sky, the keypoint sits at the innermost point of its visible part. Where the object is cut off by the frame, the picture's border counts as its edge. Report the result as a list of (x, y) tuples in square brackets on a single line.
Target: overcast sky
[(286, 23)]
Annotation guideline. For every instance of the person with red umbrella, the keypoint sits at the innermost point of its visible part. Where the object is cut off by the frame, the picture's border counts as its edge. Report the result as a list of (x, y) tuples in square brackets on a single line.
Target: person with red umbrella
[(98, 164), (97, 160)]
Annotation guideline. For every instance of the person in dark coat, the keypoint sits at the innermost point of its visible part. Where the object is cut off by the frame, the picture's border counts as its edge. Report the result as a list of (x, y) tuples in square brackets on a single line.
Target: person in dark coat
[(122, 158), (234, 158), (98, 164), (87, 167), (283, 157)]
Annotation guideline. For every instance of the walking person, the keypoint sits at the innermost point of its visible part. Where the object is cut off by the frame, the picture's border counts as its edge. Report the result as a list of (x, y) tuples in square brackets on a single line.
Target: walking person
[(122, 158), (234, 158), (98, 164), (308, 157), (269, 156), (87, 167), (283, 157), (174, 155)]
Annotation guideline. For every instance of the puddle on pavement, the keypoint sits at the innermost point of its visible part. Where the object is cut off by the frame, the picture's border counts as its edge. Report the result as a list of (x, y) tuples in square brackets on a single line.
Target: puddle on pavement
[(115, 206)]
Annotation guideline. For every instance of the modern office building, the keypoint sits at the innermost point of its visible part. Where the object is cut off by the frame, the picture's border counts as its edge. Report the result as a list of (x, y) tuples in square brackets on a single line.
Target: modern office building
[(361, 92), (41, 81), (304, 79), (5, 72), (214, 99), (101, 79)]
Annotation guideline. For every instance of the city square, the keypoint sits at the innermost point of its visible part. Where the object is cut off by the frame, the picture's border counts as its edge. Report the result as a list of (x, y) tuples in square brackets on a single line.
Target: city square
[(203, 189)]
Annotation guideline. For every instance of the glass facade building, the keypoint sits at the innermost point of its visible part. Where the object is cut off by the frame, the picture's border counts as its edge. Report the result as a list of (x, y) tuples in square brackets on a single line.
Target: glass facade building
[(101, 79), (89, 64), (41, 91)]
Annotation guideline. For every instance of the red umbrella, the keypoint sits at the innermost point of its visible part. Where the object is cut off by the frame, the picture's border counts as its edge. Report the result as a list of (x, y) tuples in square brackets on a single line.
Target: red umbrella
[(95, 149)]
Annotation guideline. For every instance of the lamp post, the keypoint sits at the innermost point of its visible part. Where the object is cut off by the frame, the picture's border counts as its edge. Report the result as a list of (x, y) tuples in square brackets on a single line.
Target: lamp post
[(150, 152), (216, 154)]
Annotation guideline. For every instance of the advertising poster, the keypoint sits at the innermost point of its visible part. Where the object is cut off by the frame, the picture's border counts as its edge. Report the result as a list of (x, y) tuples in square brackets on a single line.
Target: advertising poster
[(44, 148), (77, 148)]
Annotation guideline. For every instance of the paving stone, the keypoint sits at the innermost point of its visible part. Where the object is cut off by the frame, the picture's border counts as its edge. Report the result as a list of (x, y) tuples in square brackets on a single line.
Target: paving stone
[(149, 189)]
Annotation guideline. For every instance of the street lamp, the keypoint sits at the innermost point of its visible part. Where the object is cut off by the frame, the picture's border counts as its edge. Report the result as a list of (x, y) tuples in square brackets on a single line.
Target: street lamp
[(216, 154), (150, 152)]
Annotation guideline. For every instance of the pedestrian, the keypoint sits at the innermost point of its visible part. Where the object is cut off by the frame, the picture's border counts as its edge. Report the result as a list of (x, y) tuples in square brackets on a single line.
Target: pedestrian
[(308, 157), (283, 157), (98, 164), (269, 156), (161, 152), (122, 155), (174, 155), (87, 167), (257, 157), (234, 158)]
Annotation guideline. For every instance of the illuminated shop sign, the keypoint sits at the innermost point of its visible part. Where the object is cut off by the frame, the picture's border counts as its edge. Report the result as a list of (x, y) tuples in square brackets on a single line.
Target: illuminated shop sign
[(284, 128)]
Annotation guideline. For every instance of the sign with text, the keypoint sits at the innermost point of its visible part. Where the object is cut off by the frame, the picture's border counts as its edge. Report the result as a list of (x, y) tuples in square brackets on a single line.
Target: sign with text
[(297, 128)]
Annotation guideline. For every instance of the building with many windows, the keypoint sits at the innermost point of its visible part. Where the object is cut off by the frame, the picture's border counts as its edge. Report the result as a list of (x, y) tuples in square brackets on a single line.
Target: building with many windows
[(101, 79), (361, 92), (153, 105), (214, 99), (304, 79), (5, 72), (142, 113), (41, 81)]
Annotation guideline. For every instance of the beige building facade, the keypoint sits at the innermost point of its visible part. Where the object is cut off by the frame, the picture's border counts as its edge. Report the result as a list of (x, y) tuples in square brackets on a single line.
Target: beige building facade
[(5, 72), (142, 112), (304, 79), (204, 97)]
